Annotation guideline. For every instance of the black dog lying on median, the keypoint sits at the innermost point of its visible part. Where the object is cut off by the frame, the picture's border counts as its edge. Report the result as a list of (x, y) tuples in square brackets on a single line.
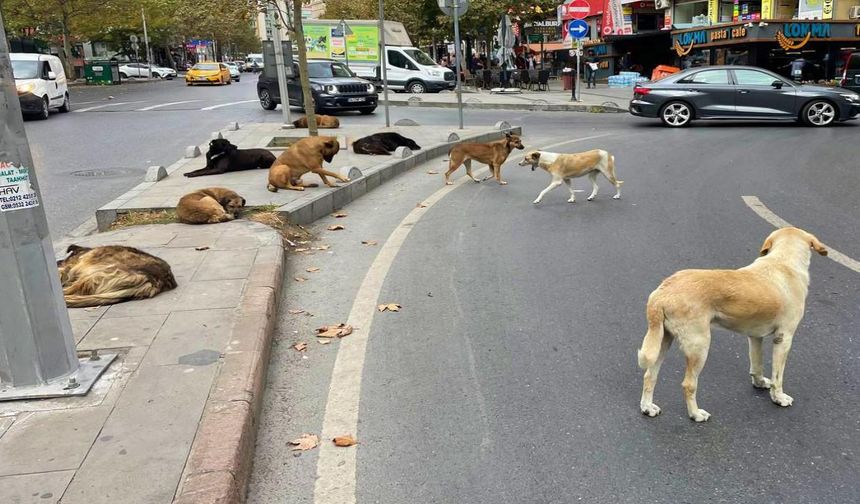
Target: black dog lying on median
[(383, 144), (225, 157)]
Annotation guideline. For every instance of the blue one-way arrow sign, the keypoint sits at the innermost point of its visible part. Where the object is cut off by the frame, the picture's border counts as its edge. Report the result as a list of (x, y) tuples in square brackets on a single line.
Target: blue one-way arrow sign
[(577, 28)]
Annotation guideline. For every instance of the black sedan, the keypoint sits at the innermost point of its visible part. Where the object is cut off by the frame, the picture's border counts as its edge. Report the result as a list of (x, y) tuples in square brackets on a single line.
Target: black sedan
[(740, 92)]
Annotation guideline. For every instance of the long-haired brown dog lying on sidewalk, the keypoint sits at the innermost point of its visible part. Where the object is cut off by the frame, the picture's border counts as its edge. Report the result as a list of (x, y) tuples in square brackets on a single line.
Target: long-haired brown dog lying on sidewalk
[(492, 154), (306, 155), (209, 206), (112, 274)]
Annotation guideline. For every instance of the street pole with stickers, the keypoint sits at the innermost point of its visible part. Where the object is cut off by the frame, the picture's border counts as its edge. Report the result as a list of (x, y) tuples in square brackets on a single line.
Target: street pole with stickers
[(37, 348)]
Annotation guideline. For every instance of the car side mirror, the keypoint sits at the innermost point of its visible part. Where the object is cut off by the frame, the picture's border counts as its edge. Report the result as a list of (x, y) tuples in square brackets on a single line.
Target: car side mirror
[(777, 84), (52, 76)]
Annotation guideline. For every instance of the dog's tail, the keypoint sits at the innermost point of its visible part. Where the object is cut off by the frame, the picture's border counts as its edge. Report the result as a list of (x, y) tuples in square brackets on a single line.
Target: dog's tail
[(611, 163), (650, 350)]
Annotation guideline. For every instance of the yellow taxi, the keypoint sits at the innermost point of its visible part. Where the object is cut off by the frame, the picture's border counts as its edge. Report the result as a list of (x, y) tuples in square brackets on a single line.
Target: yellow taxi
[(208, 73)]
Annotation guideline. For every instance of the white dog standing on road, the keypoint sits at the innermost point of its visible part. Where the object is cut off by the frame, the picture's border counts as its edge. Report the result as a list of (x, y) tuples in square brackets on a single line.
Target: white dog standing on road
[(564, 167)]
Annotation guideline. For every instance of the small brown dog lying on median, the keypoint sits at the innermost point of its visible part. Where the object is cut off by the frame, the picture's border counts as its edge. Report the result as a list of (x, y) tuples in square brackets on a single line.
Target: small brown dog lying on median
[(306, 155), (209, 206), (323, 122), (113, 274), (492, 154), (564, 167), (763, 299)]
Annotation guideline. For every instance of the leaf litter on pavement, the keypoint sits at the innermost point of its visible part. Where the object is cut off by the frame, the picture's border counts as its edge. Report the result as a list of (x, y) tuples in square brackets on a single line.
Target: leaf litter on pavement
[(334, 331), (393, 307), (306, 442)]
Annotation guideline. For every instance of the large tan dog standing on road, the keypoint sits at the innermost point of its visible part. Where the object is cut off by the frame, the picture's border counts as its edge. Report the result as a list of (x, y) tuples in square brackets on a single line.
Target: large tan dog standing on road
[(306, 155), (564, 167), (492, 154), (767, 297)]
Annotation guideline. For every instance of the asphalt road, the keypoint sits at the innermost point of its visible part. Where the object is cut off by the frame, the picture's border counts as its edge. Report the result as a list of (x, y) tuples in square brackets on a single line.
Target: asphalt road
[(510, 374)]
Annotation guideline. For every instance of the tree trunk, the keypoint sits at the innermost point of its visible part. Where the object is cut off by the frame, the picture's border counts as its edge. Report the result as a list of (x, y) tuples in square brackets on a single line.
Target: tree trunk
[(307, 95)]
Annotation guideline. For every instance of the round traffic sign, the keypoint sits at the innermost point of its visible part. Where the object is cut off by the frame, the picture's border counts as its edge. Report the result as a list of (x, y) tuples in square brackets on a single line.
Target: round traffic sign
[(577, 28), (578, 9)]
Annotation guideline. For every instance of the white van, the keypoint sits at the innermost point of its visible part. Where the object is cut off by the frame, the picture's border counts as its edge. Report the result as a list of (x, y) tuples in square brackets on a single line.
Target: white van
[(41, 83), (411, 69)]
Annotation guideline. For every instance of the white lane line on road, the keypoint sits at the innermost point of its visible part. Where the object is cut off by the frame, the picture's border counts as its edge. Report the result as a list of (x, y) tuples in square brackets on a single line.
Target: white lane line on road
[(765, 213), (336, 467), (160, 105), (114, 104), (213, 107)]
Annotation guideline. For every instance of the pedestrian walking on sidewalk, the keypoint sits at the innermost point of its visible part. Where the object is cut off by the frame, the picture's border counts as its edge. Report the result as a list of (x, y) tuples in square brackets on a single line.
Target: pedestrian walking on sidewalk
[(591, 65)]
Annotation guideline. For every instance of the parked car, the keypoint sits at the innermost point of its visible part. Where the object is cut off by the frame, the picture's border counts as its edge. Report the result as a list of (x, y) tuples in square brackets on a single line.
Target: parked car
[(208, 73), (235, 74), (740, 92), (41, 83), (851, 74), (335, 88), (142, 70), (254, 63)]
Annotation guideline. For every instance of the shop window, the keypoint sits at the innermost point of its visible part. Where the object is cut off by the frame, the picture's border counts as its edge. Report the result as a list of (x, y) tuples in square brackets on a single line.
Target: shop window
[(713, 77)]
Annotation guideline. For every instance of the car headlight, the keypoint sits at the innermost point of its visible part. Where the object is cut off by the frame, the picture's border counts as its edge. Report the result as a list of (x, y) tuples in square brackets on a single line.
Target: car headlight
[(26, 88), (371, 88), (852, 97), (331, 89)]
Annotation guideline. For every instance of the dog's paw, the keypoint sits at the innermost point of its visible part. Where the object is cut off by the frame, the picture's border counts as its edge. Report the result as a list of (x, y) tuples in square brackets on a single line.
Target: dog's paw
[(781, 399), (650, 409), (700, 415), (761, 382)]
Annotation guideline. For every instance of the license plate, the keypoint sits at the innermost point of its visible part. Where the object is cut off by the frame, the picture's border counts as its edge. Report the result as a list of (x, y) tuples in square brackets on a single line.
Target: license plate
[(355, 100)]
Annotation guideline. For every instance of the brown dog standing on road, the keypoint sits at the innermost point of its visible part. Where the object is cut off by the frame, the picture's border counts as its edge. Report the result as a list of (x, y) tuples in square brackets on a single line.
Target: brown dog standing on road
[(492, 154), (323, 122), (564, 167), (762, 299), (113, 274), (306, 155), (209, 206)]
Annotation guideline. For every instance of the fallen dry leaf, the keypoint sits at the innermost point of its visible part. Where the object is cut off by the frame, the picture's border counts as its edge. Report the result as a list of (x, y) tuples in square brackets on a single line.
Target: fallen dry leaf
[(296, 312), (389, 307), (322, 247), (340, 215), (421, 205), (306, 442), (344, 441), (301, 346), (323, 341), (335, 227), (300, 279), (334, 331), (432, 172), (201, 248), (369, 243), (312, 270)]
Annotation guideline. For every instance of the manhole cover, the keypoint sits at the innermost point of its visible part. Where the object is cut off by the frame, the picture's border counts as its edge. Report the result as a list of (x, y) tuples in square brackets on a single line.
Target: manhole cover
[(106, 172)]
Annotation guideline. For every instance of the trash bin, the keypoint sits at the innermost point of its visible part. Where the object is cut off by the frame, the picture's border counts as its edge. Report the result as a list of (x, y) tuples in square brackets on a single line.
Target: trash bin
[(102, 72), (567, 81)]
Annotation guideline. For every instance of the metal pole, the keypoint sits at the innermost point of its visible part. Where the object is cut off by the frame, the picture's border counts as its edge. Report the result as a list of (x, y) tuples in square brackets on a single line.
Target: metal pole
[(458, 56), (383, 59), (146, 41), (283, 89), (37, 348)]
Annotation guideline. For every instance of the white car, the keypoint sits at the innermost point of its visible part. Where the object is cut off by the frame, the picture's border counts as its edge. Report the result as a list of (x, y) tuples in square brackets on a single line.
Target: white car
[(235, 74), (41, 83), (142, 70)]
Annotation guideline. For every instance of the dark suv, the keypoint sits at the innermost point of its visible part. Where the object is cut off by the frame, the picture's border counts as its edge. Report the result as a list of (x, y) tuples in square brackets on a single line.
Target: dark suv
[(335, 88)]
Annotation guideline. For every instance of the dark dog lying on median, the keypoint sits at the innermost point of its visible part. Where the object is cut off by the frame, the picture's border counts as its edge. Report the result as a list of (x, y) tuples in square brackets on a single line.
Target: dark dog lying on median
[(383, 144), (225, 157)]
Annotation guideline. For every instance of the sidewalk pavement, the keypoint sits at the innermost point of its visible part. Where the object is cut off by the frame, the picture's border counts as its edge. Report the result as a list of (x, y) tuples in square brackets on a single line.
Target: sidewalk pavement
[(602, 99), (173, 418), (300, 207)]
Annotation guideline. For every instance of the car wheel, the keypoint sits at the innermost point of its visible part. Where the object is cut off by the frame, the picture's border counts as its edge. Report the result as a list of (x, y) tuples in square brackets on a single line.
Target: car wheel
[(367, 111), (819, 113), (416, 87), (676, 114), (266, 100), (67, 104), (45, 111)]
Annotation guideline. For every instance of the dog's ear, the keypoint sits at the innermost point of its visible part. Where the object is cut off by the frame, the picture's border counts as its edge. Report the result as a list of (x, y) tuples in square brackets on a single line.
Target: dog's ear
[(817, 245), (766, 246)]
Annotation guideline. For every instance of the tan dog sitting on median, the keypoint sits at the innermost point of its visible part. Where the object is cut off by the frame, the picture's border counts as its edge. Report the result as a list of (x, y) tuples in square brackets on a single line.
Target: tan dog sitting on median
[(306, 155), (564, 167), (209, 206), (762, 299), (492, 154), (323, 122)]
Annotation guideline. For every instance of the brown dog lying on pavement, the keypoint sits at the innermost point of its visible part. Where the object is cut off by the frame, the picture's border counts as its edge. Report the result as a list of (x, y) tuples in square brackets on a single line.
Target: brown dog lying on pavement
[(323, 122), (763, 299), (113, 274), (209, 206), (306, 155), (493, 154)]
